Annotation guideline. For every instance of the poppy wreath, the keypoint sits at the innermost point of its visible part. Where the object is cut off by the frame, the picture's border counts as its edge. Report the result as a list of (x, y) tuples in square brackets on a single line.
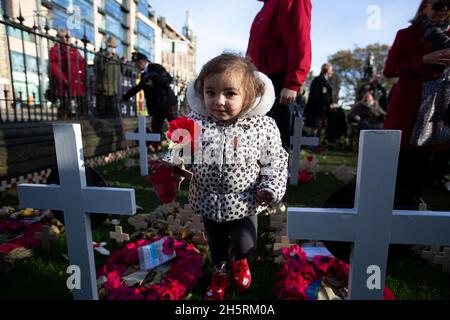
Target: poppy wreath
[(185, 270), (23, 235), (300, 279)]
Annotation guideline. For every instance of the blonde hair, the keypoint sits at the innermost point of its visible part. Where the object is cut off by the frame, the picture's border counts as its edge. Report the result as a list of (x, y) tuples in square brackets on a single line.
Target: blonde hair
[(230, 63), (419, 13), (62, 32)]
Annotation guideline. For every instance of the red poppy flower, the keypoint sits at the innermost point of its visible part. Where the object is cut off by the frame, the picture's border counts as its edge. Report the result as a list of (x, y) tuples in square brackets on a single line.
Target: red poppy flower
[(163, 183), (293, 287), (340, 270), (184, 123), (25, 239), (151, 293), (169, 245), (6, 248), (388, 295), (172, 290), (168, 248), (292, 293), (323, 263), (11, 226), (187, 279), (123, 292), (113, 280), (283, 272), (295, 256), (305, 177)]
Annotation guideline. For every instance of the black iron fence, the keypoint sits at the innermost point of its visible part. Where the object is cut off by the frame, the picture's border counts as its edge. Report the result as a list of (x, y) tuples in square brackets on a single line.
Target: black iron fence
[(59, 79)]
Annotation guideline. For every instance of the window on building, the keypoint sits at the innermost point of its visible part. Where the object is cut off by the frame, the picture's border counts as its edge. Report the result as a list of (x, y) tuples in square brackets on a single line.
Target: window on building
[(113, 8), (143, 7), (18, 75), (87, 10), (63, 3), (17, 61), (113, 26), (145, 39), (145, 46), (62, 19), (180, 46), (79, 33), (144, 28), (16, 33)]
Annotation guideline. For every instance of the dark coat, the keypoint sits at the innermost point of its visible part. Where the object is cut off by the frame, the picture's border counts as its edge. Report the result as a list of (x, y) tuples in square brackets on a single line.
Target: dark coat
[(371, 115), (159, 96), (336, 124), (378, 92), (319, 101), (405, 62)]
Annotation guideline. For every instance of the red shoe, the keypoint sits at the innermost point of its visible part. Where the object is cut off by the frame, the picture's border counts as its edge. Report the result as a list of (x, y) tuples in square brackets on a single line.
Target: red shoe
[(220, 282), (242, 277)]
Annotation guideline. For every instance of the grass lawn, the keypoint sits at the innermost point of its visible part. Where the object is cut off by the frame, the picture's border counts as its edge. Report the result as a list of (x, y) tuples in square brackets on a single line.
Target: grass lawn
[(43, 276)]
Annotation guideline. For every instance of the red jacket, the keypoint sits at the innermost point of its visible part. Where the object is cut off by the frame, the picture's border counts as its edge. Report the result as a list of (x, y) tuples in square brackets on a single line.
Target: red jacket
[(280, 40), (59, 69), (405, 62)]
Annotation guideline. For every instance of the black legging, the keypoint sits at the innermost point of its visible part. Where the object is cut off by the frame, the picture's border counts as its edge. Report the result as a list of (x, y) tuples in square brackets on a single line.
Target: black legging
[(240, 234)]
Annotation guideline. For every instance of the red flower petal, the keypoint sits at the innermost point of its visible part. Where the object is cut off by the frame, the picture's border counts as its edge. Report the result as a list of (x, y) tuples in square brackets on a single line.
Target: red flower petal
[(164, 184)]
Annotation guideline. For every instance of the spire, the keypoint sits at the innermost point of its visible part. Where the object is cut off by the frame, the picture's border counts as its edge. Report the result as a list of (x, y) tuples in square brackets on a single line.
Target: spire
[(188, 31), (20, 17)]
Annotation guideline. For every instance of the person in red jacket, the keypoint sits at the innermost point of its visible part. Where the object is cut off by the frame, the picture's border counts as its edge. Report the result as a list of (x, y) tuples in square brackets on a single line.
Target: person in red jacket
[(67, 74), (280, 47), (419, 53)]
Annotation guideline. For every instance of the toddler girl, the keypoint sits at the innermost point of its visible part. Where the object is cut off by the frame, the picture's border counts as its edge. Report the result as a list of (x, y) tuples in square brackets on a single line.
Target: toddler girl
[(242, 166)]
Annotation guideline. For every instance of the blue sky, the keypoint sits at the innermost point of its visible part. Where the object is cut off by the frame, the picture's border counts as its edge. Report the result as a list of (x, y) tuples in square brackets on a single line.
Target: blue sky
[(336, 24)]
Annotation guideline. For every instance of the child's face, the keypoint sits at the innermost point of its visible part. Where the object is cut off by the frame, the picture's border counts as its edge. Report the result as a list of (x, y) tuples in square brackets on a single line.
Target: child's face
[(223, 96)]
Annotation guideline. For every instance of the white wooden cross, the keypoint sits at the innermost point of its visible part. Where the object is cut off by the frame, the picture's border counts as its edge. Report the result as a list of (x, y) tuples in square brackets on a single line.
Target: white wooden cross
[(372, 224), (76, 199), (118, 235), (138, 222), (142, 136), (443, 258), (283, 243), (297, 141)]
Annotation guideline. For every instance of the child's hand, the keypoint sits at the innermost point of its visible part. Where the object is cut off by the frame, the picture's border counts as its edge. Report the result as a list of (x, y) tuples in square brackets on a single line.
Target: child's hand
[(264, 197)]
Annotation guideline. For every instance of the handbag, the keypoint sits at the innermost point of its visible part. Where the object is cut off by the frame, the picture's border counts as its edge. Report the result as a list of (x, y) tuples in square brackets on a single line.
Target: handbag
[(432, 125)]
